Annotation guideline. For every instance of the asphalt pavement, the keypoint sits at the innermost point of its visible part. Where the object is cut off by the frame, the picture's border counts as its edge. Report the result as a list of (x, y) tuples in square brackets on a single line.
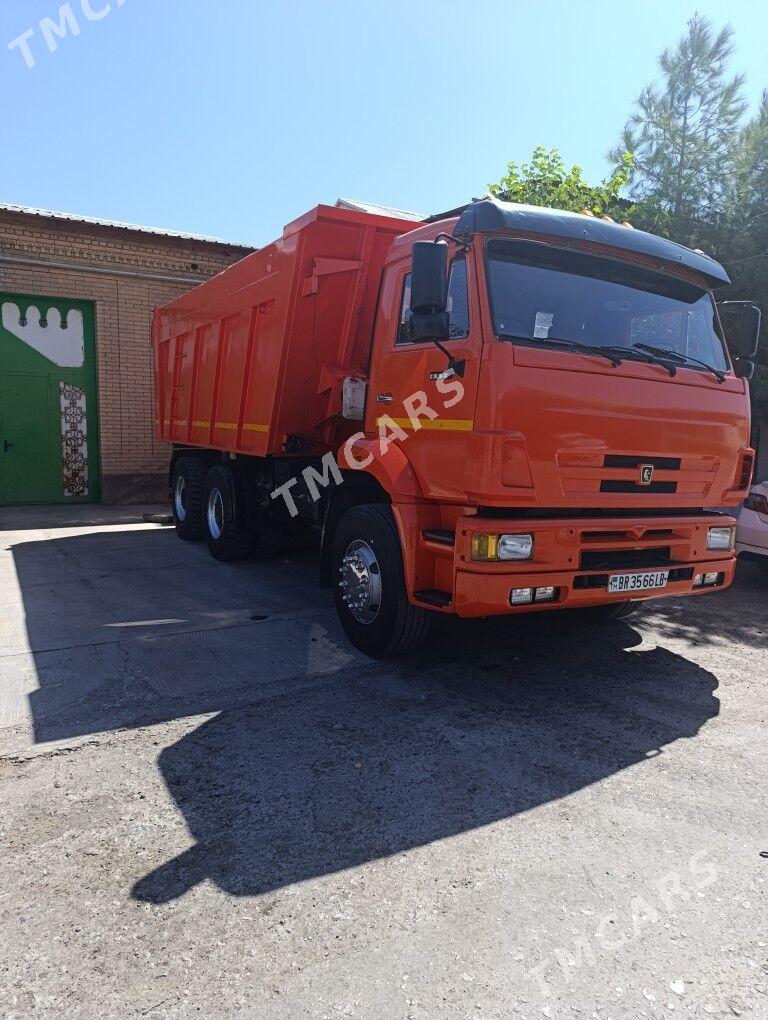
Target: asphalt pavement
[(210, 804)]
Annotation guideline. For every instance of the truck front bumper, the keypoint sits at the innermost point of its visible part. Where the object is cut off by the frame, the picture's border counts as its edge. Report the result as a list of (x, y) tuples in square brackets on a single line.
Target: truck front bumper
[(577, 557)]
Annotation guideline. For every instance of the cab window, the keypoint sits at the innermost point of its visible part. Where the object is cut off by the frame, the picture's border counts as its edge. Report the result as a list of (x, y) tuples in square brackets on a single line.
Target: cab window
[(458, 303)]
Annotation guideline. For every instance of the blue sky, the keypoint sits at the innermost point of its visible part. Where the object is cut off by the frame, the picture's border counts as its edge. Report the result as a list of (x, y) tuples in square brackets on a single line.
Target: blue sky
[(231, 117)]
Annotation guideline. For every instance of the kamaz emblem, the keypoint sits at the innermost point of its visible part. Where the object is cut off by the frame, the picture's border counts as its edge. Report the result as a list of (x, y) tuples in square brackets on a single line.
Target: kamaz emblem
[(646, 474)]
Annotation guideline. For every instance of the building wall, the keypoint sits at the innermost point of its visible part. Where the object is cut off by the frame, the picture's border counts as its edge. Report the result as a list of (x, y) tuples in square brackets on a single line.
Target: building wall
[(126, 273)]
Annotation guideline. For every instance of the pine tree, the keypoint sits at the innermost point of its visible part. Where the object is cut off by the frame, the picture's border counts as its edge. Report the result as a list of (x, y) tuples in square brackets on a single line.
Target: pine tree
[(683, 133), (746, 234), (751, 170)]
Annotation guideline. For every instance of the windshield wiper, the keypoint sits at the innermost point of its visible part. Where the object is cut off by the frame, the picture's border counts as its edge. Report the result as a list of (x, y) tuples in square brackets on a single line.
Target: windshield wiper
[(602, 352), (682, 359)]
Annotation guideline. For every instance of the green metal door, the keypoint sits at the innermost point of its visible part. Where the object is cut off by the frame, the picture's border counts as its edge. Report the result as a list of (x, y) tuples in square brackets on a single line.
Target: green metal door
[(48, 415), (26, 444)]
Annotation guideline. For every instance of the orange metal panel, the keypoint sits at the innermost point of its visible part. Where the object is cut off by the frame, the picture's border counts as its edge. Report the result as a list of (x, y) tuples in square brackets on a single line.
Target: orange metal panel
[(266, 344), (256, 396)]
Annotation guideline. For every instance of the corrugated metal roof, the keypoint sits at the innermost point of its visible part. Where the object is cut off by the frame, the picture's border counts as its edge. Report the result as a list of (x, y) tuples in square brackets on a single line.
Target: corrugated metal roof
[(73, 218), (379, 210)]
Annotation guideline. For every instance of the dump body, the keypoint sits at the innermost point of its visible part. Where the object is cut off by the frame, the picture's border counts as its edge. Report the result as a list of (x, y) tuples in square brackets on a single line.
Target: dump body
[(244, 362)]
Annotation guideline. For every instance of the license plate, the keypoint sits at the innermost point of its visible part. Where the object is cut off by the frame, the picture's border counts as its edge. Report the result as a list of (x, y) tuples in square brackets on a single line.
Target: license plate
[(638, 582)]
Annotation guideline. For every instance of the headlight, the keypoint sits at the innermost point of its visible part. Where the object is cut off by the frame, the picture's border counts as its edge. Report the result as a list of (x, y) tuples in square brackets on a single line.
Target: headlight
[(515, 547), (501, 547), (720, 538)]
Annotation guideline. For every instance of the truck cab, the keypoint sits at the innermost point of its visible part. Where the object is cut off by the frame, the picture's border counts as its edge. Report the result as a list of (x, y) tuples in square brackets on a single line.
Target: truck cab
[(596, 415)]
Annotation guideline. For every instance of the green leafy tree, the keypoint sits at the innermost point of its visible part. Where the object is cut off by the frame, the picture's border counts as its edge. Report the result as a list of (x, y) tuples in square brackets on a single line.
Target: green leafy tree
[(683, 133), (547, 181)]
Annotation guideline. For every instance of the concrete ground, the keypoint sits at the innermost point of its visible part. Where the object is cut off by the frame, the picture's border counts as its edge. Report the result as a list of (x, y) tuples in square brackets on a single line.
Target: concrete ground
[(210, 804)]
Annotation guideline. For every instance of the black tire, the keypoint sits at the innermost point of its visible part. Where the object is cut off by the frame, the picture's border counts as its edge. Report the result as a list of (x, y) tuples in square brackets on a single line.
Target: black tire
[(396, 626), (608, 613), (228, 538), (762, 565), (267, 542), (187, 485)]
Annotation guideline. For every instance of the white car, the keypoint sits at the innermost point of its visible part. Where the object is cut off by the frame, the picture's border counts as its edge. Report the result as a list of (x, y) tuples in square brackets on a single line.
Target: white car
[(752, 529)]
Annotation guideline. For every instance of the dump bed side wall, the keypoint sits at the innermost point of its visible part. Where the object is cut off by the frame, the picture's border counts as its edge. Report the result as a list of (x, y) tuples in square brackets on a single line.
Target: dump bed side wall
[(340, 264), (258, 354), (218, 352)]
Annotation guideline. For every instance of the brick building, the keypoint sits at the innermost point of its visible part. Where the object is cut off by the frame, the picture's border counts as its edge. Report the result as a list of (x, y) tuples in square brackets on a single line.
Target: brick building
[(76, 301)]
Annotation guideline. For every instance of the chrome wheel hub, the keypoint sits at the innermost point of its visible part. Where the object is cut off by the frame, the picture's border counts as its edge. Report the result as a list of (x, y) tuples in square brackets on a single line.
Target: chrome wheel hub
[(215, 513), (360, 581), (180, 499)]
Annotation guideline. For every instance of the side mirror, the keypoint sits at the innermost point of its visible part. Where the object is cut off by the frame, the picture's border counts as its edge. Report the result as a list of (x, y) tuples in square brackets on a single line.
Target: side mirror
[(429, 291), (741, 321)]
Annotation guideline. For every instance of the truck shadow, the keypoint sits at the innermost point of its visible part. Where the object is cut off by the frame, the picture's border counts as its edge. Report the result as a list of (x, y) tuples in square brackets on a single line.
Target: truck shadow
[(364, 769), (319, 759), (722, 618)]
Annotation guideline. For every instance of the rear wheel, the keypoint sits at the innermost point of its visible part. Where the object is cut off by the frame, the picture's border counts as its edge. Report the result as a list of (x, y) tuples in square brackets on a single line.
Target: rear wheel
[(187, 484), (228, 537), (762, 564), (369, 585), (268, 541)]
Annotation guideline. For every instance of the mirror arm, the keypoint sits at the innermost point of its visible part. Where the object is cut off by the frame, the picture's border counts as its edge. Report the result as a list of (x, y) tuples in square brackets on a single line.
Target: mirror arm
[(464, 246), (443, 350), (454, 367)]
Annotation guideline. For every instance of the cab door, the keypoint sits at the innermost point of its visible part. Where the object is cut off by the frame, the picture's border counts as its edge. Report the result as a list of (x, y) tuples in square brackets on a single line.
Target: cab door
[(400, 380)]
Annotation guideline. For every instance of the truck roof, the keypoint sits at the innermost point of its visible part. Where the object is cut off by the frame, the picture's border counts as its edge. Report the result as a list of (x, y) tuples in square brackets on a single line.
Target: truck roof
[(489, 214)]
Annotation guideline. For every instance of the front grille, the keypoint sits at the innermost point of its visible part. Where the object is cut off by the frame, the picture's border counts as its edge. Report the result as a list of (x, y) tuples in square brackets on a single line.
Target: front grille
[(586, 472), (613, 460), (588, 513), (624, 559), (615, 485), (627, 536)]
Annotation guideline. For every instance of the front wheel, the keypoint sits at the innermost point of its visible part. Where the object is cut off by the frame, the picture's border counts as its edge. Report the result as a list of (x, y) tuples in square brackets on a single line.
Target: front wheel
[(228, 536), (369, 585)]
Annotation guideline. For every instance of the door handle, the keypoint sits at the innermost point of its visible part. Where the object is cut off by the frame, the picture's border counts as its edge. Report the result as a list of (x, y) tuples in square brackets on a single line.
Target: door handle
[(384, 398), (7, 446)]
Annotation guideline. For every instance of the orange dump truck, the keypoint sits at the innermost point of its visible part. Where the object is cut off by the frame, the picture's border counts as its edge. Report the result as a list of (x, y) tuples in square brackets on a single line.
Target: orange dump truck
[(498, 410)]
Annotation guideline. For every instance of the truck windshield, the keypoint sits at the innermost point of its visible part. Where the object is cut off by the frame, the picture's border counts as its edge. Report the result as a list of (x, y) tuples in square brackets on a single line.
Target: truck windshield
[(542, 294)]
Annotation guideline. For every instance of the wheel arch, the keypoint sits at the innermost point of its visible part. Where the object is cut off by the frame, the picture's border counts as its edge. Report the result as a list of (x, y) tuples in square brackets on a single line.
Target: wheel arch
[(389, 467), (358, 488), (371, 475), (180, 452)]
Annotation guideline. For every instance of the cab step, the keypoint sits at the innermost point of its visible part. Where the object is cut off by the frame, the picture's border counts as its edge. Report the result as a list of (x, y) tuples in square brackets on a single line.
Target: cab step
[(433, 597), (439, 535)]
